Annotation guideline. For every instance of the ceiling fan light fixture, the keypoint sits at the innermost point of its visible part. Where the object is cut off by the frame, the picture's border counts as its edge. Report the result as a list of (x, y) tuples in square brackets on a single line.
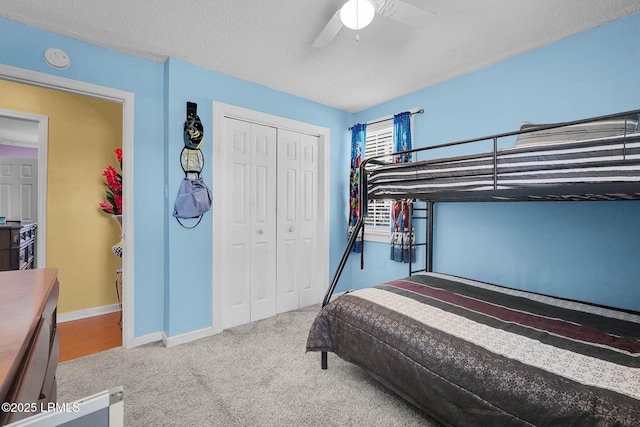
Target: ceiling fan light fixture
[(357, 14)]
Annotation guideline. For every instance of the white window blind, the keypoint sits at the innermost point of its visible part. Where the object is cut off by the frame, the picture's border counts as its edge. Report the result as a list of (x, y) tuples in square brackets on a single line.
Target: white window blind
[(379, 141)]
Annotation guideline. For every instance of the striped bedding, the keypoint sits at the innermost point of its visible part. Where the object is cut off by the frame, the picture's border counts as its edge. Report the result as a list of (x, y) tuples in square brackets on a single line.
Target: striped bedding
[(611, 159), (475, 354)]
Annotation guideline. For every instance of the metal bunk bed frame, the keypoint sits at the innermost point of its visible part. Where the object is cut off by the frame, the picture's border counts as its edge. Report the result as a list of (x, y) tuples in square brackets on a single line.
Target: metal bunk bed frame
[(614, 191)]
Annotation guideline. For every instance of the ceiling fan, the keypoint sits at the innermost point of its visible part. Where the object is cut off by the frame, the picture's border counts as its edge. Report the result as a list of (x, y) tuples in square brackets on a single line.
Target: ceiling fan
[(365, 10)]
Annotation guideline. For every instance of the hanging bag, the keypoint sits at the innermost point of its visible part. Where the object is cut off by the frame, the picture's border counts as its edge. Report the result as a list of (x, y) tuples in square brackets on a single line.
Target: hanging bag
[(193, 200), (194, 197)]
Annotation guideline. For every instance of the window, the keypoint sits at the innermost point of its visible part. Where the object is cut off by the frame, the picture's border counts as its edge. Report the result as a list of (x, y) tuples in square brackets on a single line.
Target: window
[(378, 219)]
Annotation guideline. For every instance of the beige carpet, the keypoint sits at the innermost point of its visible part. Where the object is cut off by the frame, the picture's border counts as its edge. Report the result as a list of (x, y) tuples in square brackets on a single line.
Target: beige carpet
[(252, 375)]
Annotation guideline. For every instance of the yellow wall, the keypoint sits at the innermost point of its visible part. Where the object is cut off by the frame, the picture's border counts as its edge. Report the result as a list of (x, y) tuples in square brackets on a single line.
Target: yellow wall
[(83, 132)]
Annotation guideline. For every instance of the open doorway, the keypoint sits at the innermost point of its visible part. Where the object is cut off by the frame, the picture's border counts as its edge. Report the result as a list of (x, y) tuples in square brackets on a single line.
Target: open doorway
[(123, 101), (23, 155)]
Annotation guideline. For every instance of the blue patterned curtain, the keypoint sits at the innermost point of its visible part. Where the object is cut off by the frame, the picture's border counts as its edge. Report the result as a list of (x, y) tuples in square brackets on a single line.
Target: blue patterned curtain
[(401, 228), (358, 141)]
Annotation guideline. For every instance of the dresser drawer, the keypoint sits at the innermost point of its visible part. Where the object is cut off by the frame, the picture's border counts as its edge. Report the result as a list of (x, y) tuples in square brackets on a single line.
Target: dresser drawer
[(18, 246), (9, 259), (5, 238), (52, 302), (48, 393), (32, 372)]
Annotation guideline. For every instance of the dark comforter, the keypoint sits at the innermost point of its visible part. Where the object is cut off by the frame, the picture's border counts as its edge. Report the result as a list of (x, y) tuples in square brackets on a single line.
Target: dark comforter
[(476, 354)]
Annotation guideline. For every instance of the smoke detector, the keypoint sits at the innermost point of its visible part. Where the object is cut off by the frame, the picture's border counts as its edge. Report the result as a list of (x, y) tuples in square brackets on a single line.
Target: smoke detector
[(57, 59)]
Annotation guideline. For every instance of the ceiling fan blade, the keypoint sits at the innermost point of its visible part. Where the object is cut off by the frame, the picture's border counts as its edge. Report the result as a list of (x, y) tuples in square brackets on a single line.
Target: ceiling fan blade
[(329, 32), (406, 13)]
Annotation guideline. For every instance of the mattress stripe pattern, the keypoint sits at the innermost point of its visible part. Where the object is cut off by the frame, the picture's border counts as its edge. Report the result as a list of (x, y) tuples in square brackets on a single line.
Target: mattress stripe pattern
[(593, 161), (615, 322), (509, 316), (586, 348), (569, 364), (546, 300)]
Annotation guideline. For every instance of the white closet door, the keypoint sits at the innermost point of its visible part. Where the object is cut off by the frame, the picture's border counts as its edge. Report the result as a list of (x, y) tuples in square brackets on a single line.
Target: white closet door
[(297, 220), (310, 279), (249, 251), (263, 222), (270, 222), (235, 215)]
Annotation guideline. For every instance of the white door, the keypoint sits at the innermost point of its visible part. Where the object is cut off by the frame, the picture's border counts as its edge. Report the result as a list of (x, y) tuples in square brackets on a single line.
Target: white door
[(311, 280), (270, 220), (248, 218), (19, 189), (298, 220), (263, 222)]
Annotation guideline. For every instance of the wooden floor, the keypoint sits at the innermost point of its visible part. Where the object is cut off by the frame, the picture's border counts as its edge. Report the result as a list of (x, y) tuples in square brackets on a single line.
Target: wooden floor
[(91, 335)]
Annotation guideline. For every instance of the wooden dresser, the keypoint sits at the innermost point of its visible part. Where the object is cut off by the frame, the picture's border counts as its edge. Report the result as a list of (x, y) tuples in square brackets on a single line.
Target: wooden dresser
[(17, 246), (29, 342)]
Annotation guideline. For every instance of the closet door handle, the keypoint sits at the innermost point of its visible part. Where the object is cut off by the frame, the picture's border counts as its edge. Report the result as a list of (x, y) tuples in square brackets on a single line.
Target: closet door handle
[(291, 228), (260, 230)]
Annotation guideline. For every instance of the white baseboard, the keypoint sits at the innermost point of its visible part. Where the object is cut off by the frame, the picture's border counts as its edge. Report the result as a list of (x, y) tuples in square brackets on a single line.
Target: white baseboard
[(141, 340), (90, 312), (149, 338), (185, 338)]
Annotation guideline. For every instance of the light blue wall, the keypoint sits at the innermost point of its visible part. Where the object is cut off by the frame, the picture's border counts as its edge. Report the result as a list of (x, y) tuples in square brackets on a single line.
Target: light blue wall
[(578, 250), (173, 265), (189, 251), (589, 74), (22, 46)]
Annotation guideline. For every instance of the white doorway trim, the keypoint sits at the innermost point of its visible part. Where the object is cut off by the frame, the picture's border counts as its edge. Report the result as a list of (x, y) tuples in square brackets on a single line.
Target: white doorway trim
[(220, 111), (49, 81), (43, 149)]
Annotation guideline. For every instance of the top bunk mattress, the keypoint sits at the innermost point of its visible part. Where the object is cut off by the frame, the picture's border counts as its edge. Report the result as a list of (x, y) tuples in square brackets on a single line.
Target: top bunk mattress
[(532, 163)]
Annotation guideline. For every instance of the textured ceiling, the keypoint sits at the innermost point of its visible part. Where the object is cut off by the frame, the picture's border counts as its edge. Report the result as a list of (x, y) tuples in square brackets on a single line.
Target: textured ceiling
[(269, 42)]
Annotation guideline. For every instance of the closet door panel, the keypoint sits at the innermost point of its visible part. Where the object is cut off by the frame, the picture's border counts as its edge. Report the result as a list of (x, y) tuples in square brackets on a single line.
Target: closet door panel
[(287, 275), (263, 221), (236, 237), (238, 188), (288, 218), (311, 286), (237, 292)]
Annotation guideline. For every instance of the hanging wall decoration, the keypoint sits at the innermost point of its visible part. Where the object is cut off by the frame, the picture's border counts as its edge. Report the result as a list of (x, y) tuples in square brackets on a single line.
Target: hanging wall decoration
[(401, 227), (358, 142), (194, 197)]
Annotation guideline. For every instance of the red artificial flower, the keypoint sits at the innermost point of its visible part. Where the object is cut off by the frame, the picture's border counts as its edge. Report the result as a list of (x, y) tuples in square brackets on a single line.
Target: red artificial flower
[(117, 198), (105, 206), (113, 203), (113, 179)]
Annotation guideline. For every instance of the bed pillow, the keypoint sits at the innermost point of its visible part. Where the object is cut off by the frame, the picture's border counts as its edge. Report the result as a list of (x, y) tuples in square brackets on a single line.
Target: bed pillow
[(580, 132)]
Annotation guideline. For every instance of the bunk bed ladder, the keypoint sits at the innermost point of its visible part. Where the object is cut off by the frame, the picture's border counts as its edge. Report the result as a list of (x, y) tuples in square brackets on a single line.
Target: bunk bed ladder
[(417, 213), (357, 230), (424, 214), (429, 233)]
